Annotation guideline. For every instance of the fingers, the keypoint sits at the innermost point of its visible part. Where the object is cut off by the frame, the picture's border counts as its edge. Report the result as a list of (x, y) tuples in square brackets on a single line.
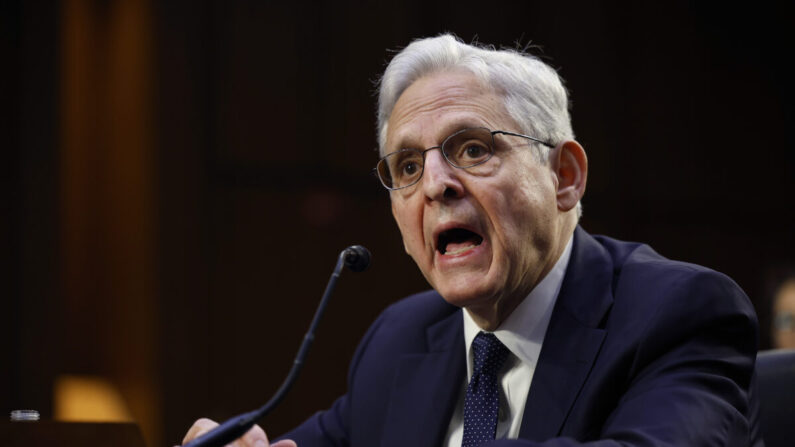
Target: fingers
[(255, 437), (199, 428), (285, 443)]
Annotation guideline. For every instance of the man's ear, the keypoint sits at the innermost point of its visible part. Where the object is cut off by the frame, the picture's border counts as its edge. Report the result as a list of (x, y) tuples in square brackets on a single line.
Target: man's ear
[(570, 164)]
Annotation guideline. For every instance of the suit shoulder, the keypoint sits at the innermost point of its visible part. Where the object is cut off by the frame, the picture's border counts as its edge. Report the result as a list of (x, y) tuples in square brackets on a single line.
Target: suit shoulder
[(659, 304), (639, 264), (648, 285), (650, 290)]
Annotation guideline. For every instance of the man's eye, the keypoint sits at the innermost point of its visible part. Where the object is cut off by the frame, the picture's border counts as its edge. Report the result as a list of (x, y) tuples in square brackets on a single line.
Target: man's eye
[(409, 168), (405, 164), (471, 152), (474, 151)]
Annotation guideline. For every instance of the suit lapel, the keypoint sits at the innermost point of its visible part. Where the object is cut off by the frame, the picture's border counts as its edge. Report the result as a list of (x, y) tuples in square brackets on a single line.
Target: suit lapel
[(572, 341), (426, 388)]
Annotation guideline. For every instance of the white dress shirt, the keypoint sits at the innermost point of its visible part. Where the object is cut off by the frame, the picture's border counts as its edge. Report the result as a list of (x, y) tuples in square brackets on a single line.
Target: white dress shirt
[(523, 334)]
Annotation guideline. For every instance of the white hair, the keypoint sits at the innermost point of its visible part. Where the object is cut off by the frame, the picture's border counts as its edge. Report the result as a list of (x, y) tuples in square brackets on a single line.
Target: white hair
[(533, 94)]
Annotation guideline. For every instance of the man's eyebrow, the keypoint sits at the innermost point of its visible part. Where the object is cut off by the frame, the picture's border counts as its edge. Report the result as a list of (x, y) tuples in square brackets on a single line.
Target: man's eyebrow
[(403, 143), (449, 129)]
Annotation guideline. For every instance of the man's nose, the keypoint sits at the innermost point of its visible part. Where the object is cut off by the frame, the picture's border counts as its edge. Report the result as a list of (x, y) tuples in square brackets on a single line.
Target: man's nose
[(440, 180)]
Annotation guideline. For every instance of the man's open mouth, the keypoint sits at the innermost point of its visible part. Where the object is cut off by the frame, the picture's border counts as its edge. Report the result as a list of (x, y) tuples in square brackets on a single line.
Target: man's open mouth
[(457, 240)]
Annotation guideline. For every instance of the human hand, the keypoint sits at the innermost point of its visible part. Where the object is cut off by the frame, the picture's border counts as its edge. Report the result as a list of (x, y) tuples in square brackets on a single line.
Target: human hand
[(253, 438)]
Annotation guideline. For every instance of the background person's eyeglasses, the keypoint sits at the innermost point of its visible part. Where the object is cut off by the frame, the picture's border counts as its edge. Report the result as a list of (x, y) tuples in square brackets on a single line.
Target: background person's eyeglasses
[(784, 321), (463, 149)]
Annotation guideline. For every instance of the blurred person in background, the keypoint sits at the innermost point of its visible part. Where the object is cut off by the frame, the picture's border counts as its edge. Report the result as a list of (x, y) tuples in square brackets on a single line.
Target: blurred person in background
[(780, 300)]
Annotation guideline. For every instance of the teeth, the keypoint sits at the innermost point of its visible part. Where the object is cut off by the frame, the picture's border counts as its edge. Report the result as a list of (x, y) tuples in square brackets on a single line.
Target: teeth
[(460, 250)]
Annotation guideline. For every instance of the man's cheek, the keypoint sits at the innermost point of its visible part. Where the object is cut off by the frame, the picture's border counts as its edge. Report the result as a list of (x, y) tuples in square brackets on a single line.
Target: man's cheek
[(412, 245)]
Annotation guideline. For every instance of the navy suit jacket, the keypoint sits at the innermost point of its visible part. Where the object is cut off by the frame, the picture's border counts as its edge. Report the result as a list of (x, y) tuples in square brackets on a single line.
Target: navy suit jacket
[(640, 350)]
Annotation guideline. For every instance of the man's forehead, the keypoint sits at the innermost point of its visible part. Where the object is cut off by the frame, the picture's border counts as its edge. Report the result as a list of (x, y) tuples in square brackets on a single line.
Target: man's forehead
[(436, 106), (446, 125)]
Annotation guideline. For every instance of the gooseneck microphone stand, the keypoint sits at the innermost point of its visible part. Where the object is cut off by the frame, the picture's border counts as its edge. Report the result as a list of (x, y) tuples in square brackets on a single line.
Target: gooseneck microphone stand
[(356, 258)]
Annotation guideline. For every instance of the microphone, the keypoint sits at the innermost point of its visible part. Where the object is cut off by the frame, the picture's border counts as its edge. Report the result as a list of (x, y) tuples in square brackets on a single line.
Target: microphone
[(356, 258)]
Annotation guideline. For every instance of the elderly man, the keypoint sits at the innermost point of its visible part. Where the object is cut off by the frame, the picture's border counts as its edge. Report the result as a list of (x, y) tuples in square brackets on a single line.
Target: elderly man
[(536, 333)]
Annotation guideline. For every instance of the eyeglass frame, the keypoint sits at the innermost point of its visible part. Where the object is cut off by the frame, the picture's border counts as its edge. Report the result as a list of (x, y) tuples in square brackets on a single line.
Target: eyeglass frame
[(454, 134)]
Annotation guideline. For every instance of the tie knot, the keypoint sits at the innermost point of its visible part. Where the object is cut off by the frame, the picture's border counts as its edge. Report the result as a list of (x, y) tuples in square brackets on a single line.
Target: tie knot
[(489, 354)]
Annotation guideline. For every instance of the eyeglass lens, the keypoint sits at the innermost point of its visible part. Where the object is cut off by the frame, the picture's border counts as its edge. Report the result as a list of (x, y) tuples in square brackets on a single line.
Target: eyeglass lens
[(463, 149)]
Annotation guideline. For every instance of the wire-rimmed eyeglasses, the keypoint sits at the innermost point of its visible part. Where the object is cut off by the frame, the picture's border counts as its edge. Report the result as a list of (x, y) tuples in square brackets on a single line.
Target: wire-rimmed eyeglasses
[(464, 149)]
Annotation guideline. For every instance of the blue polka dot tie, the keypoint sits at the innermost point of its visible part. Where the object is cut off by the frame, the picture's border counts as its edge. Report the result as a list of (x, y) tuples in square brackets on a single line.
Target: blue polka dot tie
[(482, 401)]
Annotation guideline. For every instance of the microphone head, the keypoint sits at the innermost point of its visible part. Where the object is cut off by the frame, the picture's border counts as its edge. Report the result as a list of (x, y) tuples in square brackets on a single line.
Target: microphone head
[(357, 258)]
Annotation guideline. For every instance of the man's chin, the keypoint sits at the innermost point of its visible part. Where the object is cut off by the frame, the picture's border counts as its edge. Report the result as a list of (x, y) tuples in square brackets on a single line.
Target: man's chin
[(466, 296)]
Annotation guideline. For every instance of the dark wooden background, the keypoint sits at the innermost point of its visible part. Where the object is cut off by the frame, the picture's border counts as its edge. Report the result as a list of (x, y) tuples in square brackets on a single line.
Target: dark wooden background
[(178, 177)]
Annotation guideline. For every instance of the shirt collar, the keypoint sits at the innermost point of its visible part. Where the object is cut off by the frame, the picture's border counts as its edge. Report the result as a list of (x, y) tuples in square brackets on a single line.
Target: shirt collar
[(523, 331)]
